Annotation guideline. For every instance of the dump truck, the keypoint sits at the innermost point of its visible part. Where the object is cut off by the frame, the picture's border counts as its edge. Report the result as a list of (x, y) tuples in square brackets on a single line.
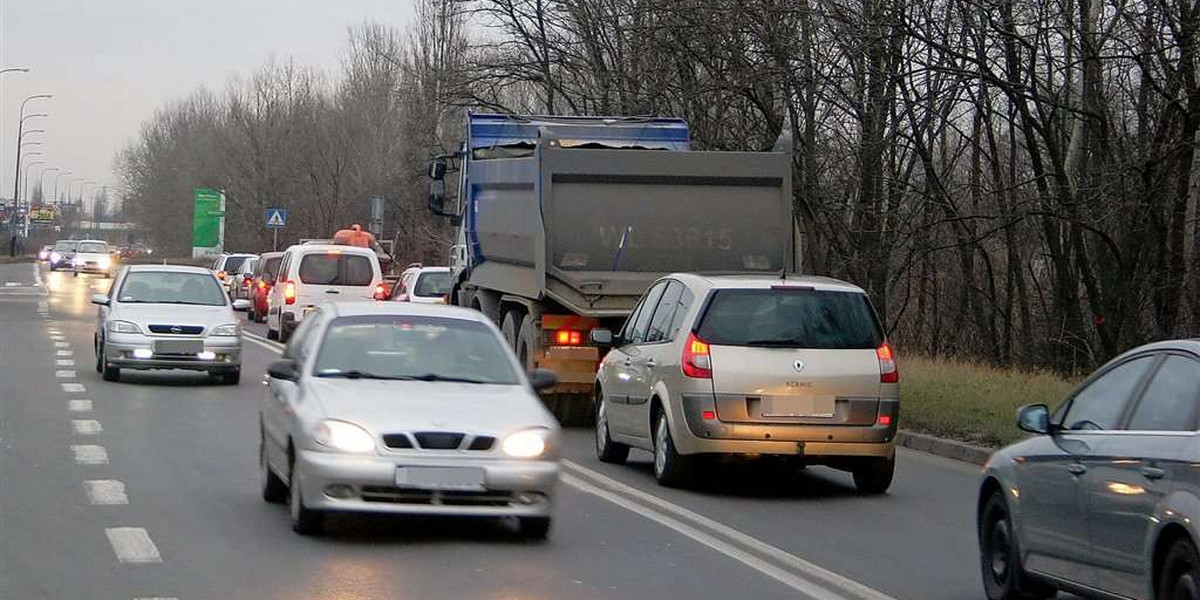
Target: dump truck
[(563, 222)]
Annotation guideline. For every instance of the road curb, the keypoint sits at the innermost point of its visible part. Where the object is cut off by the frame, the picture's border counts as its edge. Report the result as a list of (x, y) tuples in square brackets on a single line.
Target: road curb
[(956, 450)]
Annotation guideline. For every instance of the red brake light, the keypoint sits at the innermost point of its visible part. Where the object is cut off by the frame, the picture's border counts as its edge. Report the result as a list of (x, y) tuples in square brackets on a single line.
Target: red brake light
[(708, 415), (568, 337), (885, 419), (697, 362), (221, 275), (289, 292), (262, 285), (380, 292), (888, 373)]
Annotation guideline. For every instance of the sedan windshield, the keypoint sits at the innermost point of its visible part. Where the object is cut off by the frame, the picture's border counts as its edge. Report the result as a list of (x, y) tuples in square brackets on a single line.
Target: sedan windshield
[(92, 247), (168, 287), (65, 246), (419, 348)]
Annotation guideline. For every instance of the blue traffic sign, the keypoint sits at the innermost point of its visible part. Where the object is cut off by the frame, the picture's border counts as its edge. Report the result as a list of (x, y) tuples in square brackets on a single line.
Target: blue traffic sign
[(276, 217)]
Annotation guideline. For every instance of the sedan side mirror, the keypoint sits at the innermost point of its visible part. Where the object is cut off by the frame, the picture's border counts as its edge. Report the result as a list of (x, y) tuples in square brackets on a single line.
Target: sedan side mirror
[(601, 338), (284, 369), (1034, 418), (541, 379), (100, 299), (241, 304)]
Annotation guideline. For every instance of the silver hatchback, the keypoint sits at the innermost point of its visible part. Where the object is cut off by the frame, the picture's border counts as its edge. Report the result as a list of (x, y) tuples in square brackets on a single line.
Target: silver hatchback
[(750, 365)]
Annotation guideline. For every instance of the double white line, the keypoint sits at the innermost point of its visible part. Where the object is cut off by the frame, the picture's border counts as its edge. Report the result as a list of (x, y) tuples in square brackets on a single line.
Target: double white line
[(813, 581)]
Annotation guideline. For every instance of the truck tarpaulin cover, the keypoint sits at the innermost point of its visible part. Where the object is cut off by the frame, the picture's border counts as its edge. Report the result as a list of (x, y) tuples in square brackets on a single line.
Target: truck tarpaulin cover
[(354, 236)]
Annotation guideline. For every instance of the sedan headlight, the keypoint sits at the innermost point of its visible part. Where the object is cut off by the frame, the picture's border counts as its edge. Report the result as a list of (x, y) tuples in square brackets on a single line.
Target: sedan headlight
[(55, 257), (530, 443), (123, 327), (228, 329), (104, 262), (344, 436)]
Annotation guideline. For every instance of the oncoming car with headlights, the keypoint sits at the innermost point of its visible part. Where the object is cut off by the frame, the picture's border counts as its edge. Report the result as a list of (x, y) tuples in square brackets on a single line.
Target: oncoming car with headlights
[(168, 317), (91, 256), (406, 409)]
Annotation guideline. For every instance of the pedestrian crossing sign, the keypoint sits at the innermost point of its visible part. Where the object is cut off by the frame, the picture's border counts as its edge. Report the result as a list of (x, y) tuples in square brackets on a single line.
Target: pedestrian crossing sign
[(276, 217)]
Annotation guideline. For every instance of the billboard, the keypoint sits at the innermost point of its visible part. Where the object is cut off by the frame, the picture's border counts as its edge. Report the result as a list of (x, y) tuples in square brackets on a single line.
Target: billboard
[(208, 222), (43, 215)]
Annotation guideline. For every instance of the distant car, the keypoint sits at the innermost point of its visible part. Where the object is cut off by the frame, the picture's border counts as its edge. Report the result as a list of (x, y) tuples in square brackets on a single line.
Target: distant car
[(227, 264), (241, 282), (423, 285), (394, 408), (167, 317), (91, 256), (311, 276), (752, 366), (44, 253), (1104, 500), (61, 254), (134, 251), (265, 271)]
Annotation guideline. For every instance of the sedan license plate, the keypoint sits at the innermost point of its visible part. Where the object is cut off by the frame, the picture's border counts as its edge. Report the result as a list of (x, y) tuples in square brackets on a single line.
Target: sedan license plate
[(823, 407), (440, 478), (178, 347)]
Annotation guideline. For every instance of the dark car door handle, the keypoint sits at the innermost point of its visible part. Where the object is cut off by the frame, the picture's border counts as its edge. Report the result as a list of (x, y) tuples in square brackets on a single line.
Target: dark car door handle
[(650, 362), (1153, 472), (1076, 469), (333, 291), (629, 362)]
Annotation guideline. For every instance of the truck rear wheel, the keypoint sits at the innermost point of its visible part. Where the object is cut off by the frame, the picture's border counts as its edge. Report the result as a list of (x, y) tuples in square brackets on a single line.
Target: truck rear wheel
[(510, 327)]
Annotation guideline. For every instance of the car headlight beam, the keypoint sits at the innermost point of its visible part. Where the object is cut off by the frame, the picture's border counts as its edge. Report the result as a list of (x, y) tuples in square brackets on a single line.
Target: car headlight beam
[(529, 443), (228, 329), (123, 327), (344, 436)]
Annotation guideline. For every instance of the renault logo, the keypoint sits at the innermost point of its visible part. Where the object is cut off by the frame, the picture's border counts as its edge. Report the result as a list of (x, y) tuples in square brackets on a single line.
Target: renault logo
[(798, 365), (178, 329)]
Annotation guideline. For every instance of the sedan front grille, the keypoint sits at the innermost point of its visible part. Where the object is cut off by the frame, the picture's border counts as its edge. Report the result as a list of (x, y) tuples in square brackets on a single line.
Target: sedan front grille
[(397, 441), (397, 495), (176, 329), (439, 440)]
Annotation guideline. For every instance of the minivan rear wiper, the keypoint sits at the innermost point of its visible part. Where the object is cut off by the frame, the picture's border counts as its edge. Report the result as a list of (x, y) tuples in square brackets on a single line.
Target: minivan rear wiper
[(773, 342)]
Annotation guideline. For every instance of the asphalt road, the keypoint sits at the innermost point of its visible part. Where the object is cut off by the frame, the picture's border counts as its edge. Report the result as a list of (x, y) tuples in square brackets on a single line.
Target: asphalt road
[(147, 489)]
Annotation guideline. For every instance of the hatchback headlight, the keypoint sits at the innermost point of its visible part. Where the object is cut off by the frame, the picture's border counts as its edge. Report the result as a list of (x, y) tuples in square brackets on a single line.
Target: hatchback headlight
[(529, 443), (104, 262), (344, 436), (123, 327), (228, 329)]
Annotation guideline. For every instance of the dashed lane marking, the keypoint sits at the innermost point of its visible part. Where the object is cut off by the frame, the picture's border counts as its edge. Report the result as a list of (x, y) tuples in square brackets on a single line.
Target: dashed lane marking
[(65, 374), (86, 427), (73, 388), (90, 455), (105, 492), (61, 345), (133, 545), (64, 362), (79, 405), (64, 353)]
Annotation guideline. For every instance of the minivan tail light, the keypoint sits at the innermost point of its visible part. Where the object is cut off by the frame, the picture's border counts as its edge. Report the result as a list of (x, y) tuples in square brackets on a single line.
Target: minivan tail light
[(289, 292), (380, 292), (697, 362), (888, 373), (221, 275)]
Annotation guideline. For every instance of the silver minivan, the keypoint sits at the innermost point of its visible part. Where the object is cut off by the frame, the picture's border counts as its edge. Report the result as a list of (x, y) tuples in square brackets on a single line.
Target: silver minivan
[(750, 365)]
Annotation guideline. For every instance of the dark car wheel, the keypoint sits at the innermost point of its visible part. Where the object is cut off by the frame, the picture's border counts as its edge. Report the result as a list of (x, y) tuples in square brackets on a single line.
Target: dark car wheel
[(230, 377), (99, 357), (874, 475), (534, 528), (606, 449), (274, 490), (305, 521), (999, 557), (671, 468), (1180, 573)]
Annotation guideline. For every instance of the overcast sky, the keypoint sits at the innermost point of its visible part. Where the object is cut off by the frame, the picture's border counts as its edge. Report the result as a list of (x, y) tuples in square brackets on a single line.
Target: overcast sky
[(111, 63)]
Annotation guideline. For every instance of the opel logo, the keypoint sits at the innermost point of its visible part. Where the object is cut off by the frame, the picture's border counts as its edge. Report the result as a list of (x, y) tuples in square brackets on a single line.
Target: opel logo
[(798, 365), (178, 329)]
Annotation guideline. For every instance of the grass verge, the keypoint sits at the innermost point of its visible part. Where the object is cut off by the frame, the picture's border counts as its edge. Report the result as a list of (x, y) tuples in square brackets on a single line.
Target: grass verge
[(971, 402)]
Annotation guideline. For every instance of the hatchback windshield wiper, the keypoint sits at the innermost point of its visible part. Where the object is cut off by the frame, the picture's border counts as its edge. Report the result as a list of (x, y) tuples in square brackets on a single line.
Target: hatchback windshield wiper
[(437, 377), (354, 374)]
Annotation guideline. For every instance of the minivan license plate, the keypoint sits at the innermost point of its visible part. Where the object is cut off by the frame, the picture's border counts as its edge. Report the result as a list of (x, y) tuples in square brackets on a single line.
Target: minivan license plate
[(440, 478), (823, 407)]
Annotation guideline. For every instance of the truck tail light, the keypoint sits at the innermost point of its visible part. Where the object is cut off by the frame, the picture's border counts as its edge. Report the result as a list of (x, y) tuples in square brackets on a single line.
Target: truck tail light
[(567, 337), (289, 292), (380, 292), (697, 362), (888, 373)]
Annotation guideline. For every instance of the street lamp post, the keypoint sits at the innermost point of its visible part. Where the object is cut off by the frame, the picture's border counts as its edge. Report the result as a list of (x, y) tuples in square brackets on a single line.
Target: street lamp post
[(58, 178), (17, 168), (27, 166), (42, 181), (70, 183)]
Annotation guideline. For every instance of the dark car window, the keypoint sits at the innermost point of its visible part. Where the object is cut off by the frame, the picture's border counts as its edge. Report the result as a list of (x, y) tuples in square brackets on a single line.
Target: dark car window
[(336, 269), (269, 268), (432, 285), (406, 347), (233, 264), (92, 248), (297, 347), (635, 330), (1169, 402), (1099, 405), (65, 246), (684, 305), (660, 323), (170, 287), (791, 318)]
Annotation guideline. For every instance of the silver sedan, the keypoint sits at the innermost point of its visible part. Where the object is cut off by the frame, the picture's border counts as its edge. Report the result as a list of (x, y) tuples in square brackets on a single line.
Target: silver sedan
[(384, 407)]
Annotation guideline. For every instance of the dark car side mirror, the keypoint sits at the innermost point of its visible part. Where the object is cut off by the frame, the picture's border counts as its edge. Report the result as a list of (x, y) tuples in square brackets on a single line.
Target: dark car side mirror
[(601, 338), (1034, 418), (284, 369), (541, 379), (100, 299)]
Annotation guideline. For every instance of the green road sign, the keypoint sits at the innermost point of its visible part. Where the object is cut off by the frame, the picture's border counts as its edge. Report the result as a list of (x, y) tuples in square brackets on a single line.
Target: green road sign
[(206, 219)]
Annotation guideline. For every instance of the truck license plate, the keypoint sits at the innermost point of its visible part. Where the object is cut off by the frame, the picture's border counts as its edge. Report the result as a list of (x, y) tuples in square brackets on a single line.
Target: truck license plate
[(440, 478)]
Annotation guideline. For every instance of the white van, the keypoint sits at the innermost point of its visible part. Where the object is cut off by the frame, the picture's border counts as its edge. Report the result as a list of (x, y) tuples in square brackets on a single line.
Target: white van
[(317, 274)]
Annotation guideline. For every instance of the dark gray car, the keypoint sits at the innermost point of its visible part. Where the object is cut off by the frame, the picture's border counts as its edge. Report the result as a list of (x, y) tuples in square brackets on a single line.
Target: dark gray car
[(1103, 500)]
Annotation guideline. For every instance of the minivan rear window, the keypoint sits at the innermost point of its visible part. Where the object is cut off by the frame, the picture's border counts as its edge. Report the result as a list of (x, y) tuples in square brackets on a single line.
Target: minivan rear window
[(791, 318), (233, 264), (432, 284), (336, 269)]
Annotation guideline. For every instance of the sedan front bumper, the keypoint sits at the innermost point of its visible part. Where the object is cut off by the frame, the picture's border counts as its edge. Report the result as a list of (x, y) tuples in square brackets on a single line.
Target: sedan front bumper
[(119, 352), (520, 488)]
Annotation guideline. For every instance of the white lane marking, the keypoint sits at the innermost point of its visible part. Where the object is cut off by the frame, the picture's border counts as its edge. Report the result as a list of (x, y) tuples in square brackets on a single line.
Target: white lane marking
[(158, 598), (64, 362), (810, 570), (265, 343), (53, 331), (57, 337), (73, 388), (105, 492), (133, 545), (795, 582), (37, 275), (64, 353), (61, 345), (12, 284), (86, 427), (90, 455), (79, 405), (65, 374)]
